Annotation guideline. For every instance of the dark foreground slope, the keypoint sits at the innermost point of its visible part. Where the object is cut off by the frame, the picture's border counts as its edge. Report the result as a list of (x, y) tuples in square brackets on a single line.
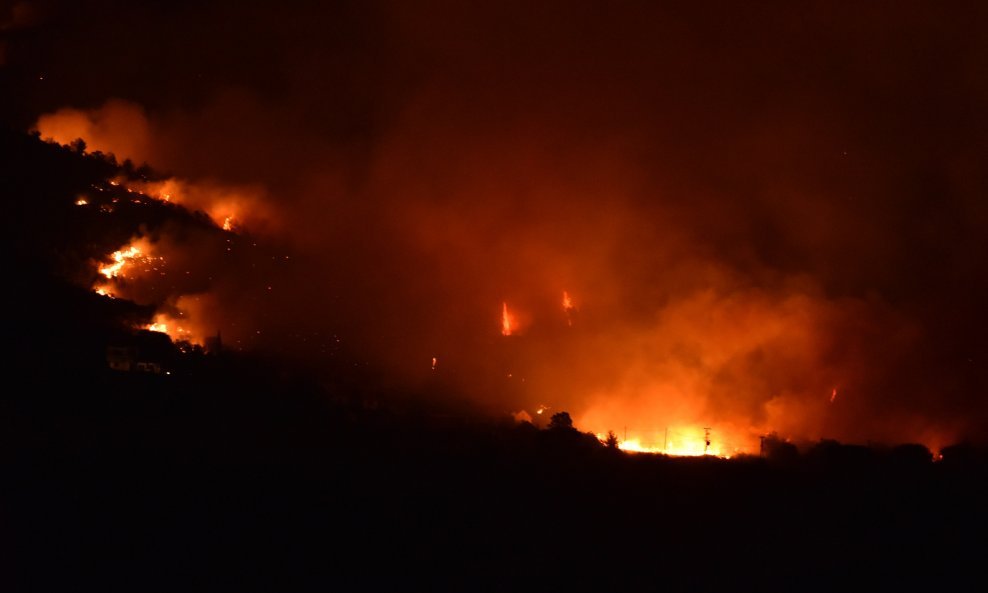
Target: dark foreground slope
[(237, 474), (219, 483)]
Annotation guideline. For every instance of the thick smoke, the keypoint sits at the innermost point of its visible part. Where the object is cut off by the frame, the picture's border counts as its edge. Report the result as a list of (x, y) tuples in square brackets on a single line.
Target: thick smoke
[(752, 207)]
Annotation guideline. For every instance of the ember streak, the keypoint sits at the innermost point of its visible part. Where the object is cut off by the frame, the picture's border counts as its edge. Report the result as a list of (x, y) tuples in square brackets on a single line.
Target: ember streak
[(507, 321)]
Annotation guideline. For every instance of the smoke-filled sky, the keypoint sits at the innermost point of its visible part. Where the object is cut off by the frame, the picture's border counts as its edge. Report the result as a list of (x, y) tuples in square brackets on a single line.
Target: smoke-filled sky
[(752, 205)]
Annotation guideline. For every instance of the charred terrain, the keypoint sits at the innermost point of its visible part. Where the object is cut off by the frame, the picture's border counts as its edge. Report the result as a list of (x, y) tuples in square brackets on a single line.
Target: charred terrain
[(227, 468)]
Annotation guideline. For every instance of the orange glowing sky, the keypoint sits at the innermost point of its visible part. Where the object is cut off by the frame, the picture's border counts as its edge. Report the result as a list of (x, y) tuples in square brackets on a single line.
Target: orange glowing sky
[(739, 212)]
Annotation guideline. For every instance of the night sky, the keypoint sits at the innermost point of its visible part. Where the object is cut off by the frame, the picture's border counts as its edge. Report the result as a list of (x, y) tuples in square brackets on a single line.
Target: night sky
[(752, 204)]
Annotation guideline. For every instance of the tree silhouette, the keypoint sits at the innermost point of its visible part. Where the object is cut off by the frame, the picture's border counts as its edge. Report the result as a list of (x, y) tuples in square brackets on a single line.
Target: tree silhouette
[(561, 421), (611, 441)]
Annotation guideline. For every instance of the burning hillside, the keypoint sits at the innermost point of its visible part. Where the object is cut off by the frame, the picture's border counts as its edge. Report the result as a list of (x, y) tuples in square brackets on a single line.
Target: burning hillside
[(301, 288), (734, 227), (708, 370)]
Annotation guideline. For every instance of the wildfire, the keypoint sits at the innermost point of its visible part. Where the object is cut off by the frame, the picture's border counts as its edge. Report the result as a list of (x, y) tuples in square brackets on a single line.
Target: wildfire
[(230, 207), (507, 321), (833, 395), (568, 308), (164, 190), (435, 362), (157, 327), (122, 262), (226, 206), (123, 259), (678, 442), (120, 259), (176, 329)]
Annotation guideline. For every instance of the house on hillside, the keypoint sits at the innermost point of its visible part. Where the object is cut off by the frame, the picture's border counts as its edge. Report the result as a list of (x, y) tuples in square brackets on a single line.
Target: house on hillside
[(141, 352)]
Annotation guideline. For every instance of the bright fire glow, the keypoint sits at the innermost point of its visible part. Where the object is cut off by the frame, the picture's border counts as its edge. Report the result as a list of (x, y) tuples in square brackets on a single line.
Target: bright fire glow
[(184, 310), (177, 329), (833, 395), (81, 202), (507, 321), (121, 128), (687, 441), (226, 206), (120, 259), (123, 260), (568, 307)]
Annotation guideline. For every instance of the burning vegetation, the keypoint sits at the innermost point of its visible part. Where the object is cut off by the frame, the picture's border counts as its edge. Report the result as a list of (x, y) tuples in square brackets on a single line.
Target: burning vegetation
[(692, 384), (721, 265), (715, 232), (508, 325)]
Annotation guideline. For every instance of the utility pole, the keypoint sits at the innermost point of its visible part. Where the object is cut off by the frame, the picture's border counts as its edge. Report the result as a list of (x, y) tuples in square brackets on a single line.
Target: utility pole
[(706, 439), (665, 442)]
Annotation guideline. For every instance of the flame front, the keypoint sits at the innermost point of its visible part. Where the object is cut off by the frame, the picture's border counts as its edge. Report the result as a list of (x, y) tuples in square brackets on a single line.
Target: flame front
[(175, 328), (689, 441), (122, 262), (157, 327), (134, 262), (568, 308), (507, 321), (227, 207), (121, 258)]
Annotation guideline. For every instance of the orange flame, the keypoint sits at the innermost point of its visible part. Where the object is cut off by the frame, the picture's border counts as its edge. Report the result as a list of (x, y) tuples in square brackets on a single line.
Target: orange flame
[(227, 207), (120, 259), (123, 129), (685, 441), (157, 327), (507, 321), (568, 308), (176, 329), (123, 259), (833, 395)]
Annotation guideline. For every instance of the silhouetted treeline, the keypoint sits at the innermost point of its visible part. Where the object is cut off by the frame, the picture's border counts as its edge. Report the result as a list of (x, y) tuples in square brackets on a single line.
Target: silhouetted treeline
[(236, 474)]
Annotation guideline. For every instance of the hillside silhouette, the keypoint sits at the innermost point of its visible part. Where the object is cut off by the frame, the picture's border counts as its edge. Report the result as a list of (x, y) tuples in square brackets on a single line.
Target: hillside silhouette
[(241, 471)]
